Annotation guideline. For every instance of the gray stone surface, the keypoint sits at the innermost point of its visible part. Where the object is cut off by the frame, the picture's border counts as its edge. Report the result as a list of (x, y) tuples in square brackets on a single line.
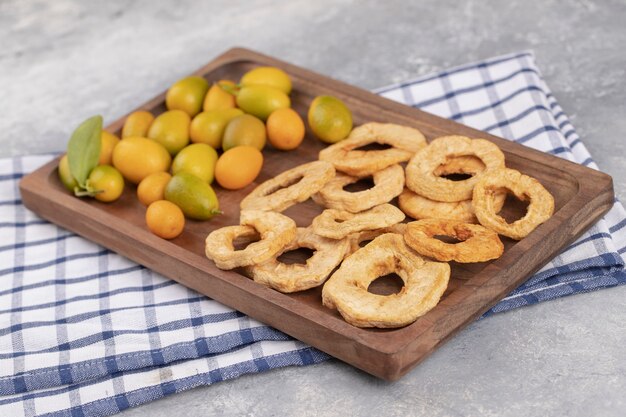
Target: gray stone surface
[(61, 61)]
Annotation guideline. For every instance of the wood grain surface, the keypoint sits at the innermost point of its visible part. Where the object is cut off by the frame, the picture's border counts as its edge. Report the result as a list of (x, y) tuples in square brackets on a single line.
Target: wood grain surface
[(582, 196)]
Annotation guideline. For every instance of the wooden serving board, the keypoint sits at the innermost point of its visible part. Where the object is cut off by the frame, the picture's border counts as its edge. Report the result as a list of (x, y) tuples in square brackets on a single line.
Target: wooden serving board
[(582, 196)]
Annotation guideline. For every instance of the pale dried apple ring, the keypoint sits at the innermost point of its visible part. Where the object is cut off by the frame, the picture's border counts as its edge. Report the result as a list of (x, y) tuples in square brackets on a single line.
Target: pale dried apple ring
[(424, 284), (525, 188), (478, 244), (290, 187), (404, 142), (288, 278), (357, 238), (465, 164), (337, 224), (275, 230), (388, 183), (420, 171), (419, 207)]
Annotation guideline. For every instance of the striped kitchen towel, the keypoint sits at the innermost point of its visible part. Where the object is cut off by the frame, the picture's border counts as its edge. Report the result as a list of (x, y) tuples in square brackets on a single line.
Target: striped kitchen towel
[(84, 331)]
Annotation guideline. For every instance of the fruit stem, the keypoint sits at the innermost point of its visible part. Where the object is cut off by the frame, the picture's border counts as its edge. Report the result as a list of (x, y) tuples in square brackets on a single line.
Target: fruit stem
[(229, 89), (86, 192)]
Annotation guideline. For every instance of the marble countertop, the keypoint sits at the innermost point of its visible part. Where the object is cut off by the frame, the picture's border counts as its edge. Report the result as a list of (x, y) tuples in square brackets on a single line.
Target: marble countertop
[(63, 61)]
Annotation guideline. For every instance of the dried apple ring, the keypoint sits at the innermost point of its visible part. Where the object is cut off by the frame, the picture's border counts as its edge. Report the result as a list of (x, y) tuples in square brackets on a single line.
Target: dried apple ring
[(275, 230), (388, 183), (290, 278), (357, 238), (290, 187), (525, 188), (420, 171), (466, 164), (404, 142), (419, 207), (478, 244), (424, 284), (337, 224)]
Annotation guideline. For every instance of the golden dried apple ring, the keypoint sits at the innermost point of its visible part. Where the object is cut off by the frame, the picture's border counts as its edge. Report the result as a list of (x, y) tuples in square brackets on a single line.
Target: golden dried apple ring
[(424, 284), (275, 230), (419, 207), (466, 164), (337, 224), (404, 142), (290, 278), (477, 243), (356, 239), (388, 183), (420, 171), (525, 188), (290, 187)]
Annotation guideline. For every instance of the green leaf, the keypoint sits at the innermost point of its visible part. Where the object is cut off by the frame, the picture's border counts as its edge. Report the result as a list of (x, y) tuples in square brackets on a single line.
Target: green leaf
[(83, 149)]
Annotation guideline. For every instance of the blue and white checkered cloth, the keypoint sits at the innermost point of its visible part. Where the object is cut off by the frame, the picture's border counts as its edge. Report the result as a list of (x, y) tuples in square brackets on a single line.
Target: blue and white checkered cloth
[(84, 331)]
